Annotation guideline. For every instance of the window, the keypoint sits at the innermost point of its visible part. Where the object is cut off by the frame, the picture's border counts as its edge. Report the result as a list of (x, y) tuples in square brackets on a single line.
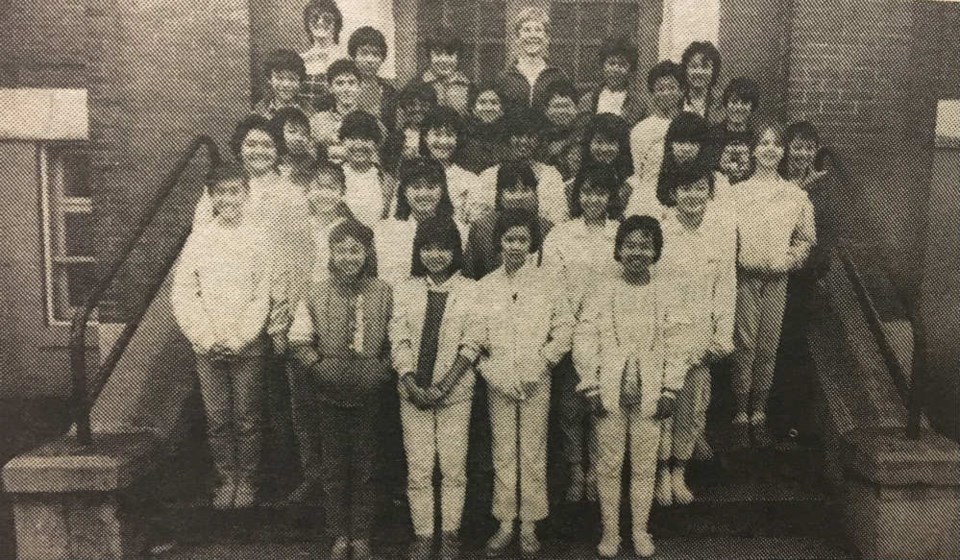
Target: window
[(481, 24), (70, 267), (579, 27)]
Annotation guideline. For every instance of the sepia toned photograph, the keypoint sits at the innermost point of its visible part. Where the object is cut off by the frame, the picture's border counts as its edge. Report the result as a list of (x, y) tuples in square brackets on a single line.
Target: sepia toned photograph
[(470, 279)]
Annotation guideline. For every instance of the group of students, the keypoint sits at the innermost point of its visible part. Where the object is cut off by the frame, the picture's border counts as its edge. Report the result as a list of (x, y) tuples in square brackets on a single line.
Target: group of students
[(515, 241)]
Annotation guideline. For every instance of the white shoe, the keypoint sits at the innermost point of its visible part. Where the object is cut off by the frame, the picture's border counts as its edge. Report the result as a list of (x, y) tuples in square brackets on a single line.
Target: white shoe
[(643, 545), (681, 493), (664, 488), (609, 546), (246, 495)]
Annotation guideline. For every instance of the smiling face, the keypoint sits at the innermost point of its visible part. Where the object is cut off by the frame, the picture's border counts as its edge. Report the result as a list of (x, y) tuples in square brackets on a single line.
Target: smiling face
[(285, 85), (738, 110), (685, 152), (369, 59), (615, 72), (347, 257), (227, 198), (532, 37), (699, 72), (561, 110), (437, 259), (666, 94), (442, 142), (769, 150), (322, 27), (515, 246), (692, 198), (519, 197), (360, 151), (603, 149), (324, 193), (802, 153), (593, 201), (345, 88), (423, 196), (258, 151), (637, 252), (488, 108)]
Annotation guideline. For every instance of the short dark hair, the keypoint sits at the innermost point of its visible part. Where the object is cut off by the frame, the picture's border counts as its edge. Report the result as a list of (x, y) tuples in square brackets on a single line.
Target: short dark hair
[(320, 167), (612, 127), (620, 47), (511, 218), (666, 68), (558, 88), (367, 36), (283, 60), (803, 130), (225, 172), (416, 169), (685, 127), (600, 177), (439, 230), (361, 125), (340, 67), (417, 91), (700, 168), (709, 51), (524, 121), (441, 117), (313, 10), (509, 175), (351, 228), (646, 224), (243, 128), (281, 118), (482, 88), (744, 89), (444, 41)]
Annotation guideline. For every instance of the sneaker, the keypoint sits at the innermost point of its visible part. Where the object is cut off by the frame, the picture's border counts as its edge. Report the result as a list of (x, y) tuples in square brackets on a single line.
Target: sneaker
[(575, 489), (664, 488), (643, 545), (681, 492), (500, 541), (246, 495), (702, 451), (340, 549), (741, 435), (361, 550), (223, 495), (421, 548), (449, 546), (529, 544), (609, 546), (760, 434)]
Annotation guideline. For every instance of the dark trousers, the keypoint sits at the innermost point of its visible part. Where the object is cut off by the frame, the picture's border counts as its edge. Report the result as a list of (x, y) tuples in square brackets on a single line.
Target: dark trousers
[(348, 453)]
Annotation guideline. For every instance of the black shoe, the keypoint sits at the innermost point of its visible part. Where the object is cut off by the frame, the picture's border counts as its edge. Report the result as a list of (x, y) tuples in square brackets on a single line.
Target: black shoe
[(449, 546), (741, 435), (420, 549), (761, 435)]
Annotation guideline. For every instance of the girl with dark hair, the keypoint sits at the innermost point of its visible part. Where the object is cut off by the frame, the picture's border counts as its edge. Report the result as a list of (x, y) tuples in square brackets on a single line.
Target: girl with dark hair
[(441, 137), (431, 315), (414, 103), (701, 68), (579, 252), (297, 150), (486, 142), (339, 335), (606, 141), (422, 194), (628, 377), (322, 23), (522, 325)]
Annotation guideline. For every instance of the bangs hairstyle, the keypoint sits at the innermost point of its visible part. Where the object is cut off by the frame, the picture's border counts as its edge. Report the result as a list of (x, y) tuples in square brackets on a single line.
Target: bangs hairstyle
[(312, 12), (532, 13), (743, 89), (353, 229), (444, 41), (320, 167), (700, 168), (596, 177), (340, 67), (511, 174), (709, 51), (483, 88), (685, 127), (442, 118), (512, 218), (776, 127), (225, 173), (243, 128), (619, 47), (667, 68), (558, 88), (422, 169), (280, 120), (417, 91), (360, 125), (284, 60), (439, 231), (615, 129), (367, 36), (646, 224)]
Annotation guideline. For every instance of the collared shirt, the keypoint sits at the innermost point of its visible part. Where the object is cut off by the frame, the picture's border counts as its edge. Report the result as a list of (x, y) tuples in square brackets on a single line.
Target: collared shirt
[(646, 147), (580, 257), (517, 89), (771, 214), (609, 101), (551, 191)]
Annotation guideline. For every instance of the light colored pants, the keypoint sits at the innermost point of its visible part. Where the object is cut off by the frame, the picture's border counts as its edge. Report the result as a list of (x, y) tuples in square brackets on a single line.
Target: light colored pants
[(428, 434), (759, 318), (231, 399), (617, 432), (303, 416), (519, 443), (682, 430)]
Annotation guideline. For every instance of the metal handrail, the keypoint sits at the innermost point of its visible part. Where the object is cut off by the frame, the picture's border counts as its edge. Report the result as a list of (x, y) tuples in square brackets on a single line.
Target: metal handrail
[(81, 400)]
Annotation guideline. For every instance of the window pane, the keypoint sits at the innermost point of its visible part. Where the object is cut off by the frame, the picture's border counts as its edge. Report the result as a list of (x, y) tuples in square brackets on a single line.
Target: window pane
[(76, 172), (490, 59), (565, 57), (595, 25), (72, 283), (493, 23), (625, 18), (563, 25), (78, 230)]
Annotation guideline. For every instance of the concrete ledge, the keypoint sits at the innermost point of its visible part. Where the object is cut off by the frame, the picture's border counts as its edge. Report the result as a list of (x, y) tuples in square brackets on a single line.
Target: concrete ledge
[(886, 456)]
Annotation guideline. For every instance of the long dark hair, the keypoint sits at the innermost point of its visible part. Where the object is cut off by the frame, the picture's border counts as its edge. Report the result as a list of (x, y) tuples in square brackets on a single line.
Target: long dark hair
[(416, 169), (685, 127), (612, 127), (439, 230)]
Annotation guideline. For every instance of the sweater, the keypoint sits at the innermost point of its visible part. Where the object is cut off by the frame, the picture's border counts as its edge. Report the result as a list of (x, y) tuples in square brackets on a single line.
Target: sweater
[(772, 216)]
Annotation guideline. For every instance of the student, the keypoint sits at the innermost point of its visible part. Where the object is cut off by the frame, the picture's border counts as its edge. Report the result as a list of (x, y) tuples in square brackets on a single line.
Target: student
[(322, 22), (699, 269), (296, 149), (618, 62), (344, 80), (285, 73), (486, 143), (776, 233), (432, 314), (739, 101), (403, 141), (517, 187), (561, 112), (523, 327), (524, 82), (422, 194), (377, 96), (221, 301), (701, 68), (580, 252), (524, 128), (622, 355), (368, 194), (646, 138), (441, 137), (443, 72), (736, 161), (339, 335), (805, 162), (606, 141)]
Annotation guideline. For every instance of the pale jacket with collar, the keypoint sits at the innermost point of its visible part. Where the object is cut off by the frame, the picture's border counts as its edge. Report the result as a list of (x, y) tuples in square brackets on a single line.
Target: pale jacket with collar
[(551, 191), (580, 258), (406, 328)]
